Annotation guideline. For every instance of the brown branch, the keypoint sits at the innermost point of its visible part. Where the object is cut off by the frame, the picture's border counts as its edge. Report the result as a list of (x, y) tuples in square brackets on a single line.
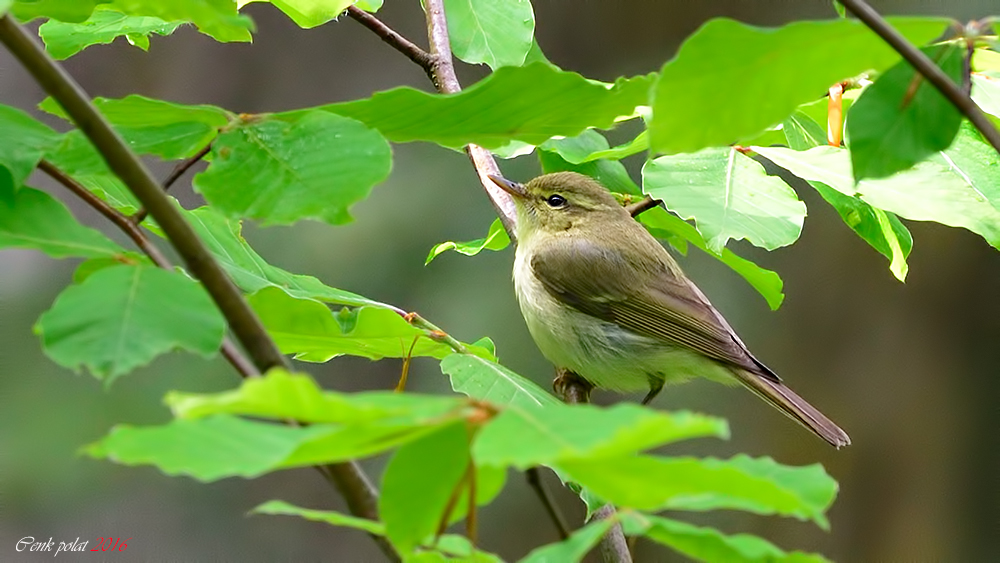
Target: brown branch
[(348, 478), (614, 547), (927, 68), (424, 59), (177, 172), (643, 205)]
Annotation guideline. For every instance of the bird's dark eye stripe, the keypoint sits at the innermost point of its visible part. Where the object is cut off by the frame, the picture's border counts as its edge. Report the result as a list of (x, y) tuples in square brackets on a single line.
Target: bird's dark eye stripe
[(555, 200)]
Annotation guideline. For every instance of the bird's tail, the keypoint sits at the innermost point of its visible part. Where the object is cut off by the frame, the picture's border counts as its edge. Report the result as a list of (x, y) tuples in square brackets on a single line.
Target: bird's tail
[(795, 407)]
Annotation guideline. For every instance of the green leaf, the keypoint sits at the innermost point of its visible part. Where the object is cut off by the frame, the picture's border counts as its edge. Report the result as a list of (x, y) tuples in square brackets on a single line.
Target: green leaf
[(280, 395), (757, 485), (251, 272), (557, 155), (280, 507), (708, 544), (729, 195), (171, 131), (314, 333), (31, 218), (529, 437), (663, 224), (695, 104), (311, 13), (62, 10), (883, 231), (4, 6), (489, 381), (495, 32), (496, 239), (574, 548), (938, 189), (63, 40), (279, 172), (122, 317), (88, 267), (25, 140), (902, 119), (637, 145), (417, 483), (206, 449), (986, 93), (216, 18), (530, 104)]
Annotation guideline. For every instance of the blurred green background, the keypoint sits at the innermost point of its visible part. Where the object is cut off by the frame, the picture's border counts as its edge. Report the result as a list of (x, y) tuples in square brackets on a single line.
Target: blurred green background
[(909, 370)]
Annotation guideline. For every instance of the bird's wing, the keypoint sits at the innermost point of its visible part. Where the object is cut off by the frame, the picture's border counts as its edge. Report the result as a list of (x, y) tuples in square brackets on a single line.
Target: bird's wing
[(597, 280)]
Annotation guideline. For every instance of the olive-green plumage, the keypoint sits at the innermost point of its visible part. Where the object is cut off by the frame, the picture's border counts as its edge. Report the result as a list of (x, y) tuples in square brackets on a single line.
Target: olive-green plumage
[(603, 298)]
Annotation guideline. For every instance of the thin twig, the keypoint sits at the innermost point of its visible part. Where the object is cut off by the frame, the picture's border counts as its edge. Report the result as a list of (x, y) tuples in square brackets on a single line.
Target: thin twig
[(353, 484), (534, 477), (177, 172), (424, 59), (644, 204), (928, 69), (435, 333), (614, 547)]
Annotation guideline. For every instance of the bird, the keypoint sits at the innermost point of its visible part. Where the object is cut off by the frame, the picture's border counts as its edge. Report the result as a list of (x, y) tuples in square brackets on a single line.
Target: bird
[(604, 299)]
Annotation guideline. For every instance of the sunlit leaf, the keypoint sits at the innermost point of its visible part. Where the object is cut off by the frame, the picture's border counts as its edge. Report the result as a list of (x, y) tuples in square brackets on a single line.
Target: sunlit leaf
[(314, 333), (280, 172), (489, 381), (756, 485), (122, 317), (663, 224), (496, 239), (882, 230), (902, 118), (933, 190), (986, 92), (63, 40), (217, 18), (530, 104), (206, 449), (774, 70), (311, 13), (25, 140), (62, 10), (280, 395), (729, 196), (280, 507), (495, 32), (31, 218), (528, 437), (710, 545), (417, 483)]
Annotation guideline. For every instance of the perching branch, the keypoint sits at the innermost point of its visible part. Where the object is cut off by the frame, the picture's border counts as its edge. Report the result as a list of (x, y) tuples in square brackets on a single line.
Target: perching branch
[(352, 483), (177, 172), (614, 547), (644, 204), (927, 68)]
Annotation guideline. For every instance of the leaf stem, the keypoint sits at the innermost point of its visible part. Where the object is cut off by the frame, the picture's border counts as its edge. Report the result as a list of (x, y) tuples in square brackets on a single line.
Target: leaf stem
[(928, 69), (435, 333), (353, 484), (534, 477)]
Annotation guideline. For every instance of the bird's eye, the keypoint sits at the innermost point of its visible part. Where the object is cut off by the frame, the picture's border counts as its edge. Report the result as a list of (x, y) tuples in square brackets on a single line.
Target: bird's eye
[(556, 201)]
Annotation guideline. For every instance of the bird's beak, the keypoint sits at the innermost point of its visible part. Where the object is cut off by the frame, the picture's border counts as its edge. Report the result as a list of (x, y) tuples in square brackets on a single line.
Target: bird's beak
[(513, 188)]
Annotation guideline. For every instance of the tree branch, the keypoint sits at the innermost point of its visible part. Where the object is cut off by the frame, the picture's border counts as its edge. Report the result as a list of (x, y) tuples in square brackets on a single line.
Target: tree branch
[(177, 172), (614, 547), (360, 495), (424, 59), (927, 68), (534, 477)]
